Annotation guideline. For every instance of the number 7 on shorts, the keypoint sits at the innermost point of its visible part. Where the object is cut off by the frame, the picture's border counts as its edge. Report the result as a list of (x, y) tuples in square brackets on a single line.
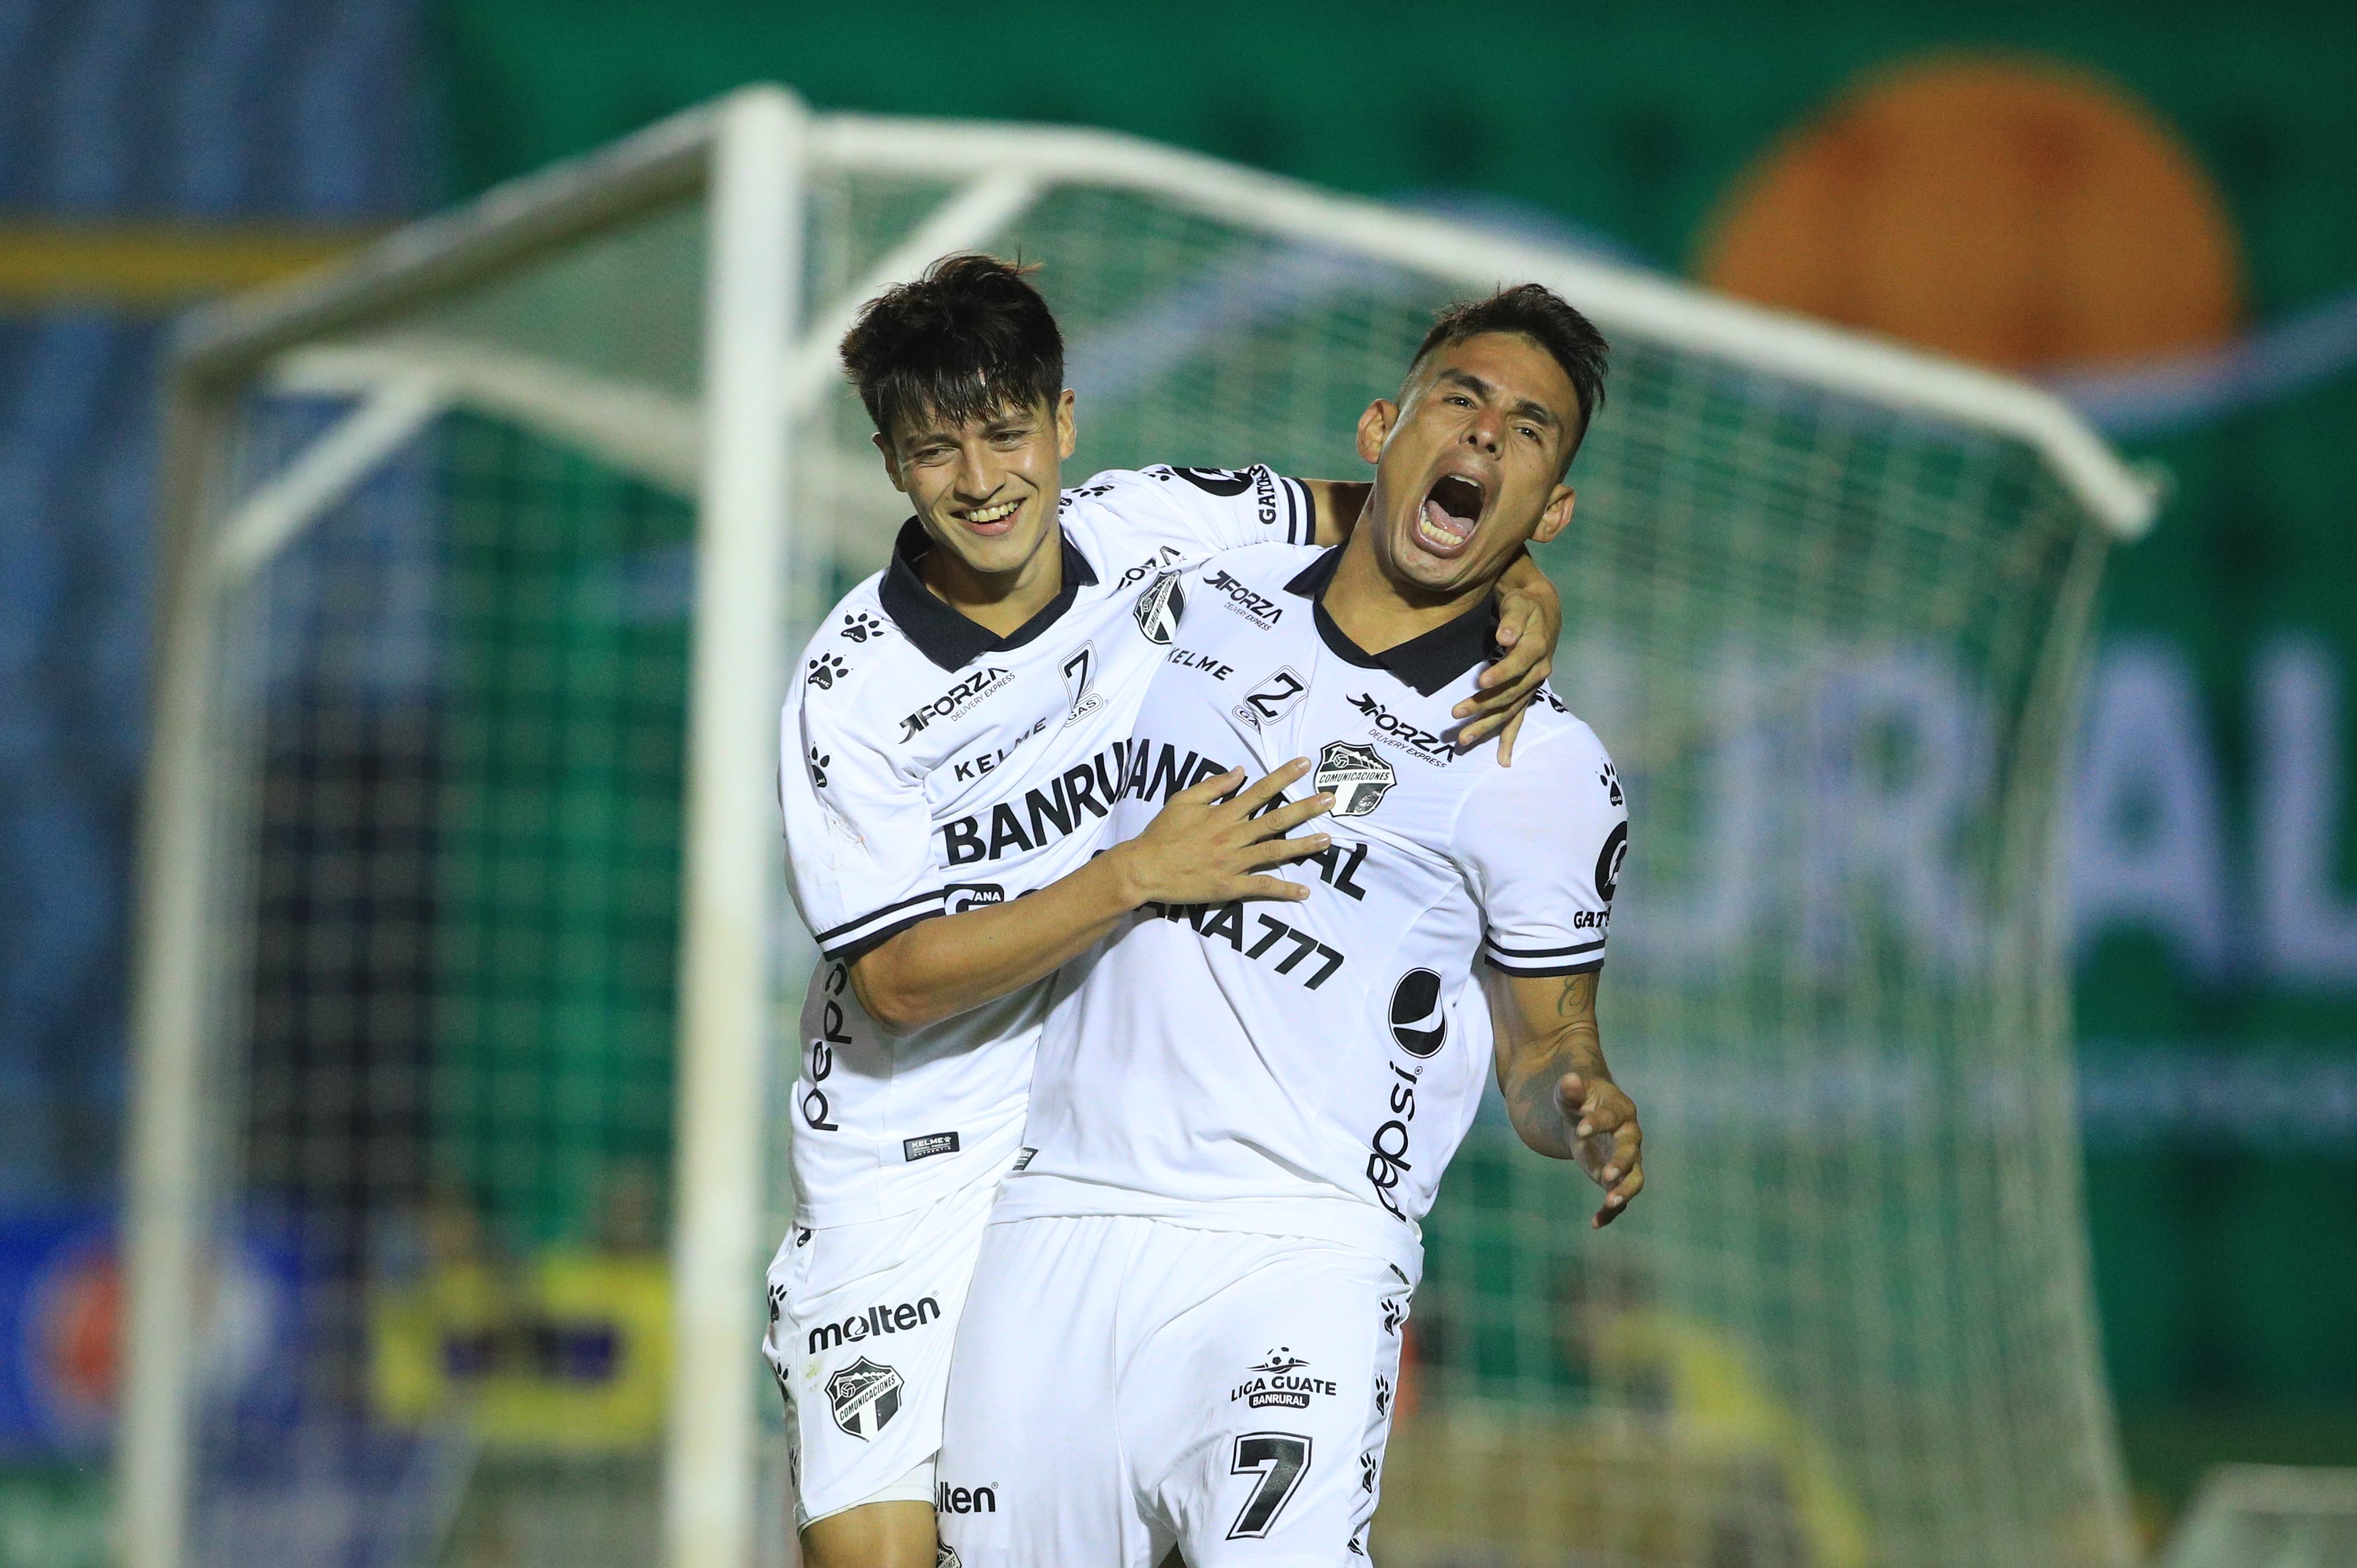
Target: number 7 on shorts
[(1278, 1458)]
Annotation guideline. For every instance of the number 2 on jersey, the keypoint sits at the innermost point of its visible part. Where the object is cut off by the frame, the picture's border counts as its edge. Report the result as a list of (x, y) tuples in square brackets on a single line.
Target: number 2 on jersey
[(1278, 1458)]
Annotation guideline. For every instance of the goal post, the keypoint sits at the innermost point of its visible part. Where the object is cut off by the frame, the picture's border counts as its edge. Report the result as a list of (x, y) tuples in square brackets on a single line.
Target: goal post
[(467, 980), (743, 160)]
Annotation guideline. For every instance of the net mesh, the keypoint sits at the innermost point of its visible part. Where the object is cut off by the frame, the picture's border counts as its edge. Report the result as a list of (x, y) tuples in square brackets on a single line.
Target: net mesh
[(1832, 645)]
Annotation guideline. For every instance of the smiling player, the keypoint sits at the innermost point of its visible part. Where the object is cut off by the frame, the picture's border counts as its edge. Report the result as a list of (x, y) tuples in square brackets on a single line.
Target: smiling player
[(953, 751), (1185, 1324)]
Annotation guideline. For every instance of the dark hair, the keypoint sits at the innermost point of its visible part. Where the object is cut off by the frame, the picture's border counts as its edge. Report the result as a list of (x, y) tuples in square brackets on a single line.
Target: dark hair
[(964, 341), (1545, 318)]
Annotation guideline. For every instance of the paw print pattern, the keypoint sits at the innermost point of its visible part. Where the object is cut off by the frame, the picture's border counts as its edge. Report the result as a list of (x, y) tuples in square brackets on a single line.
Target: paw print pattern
[(825, 669), (1394, 1312), (859, 626), (1367, 1469), (818, 761), (1382, 1395), (1612, 783)]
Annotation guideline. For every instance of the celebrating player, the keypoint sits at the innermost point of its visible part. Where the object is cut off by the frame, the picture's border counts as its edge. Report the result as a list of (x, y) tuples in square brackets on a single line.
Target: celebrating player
[(953, 749), (1185, 1322)]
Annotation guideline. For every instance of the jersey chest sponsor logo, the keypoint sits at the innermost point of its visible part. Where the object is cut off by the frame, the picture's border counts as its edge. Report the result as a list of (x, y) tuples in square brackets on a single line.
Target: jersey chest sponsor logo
[(1250, 603), (1279, 1381), (1291, 953), (1048, 812), (1415, 739), (957, 701), (966, 769), (1419, 1022), (1159, 609), (864, 1398), (1187, 659), (1072, 800), (873, 1323), (1354, 776)]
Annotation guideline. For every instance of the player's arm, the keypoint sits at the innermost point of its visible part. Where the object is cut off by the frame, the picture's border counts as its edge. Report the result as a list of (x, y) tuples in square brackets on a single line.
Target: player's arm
[(1559, 1092), (1206, 847), (1530, 620)]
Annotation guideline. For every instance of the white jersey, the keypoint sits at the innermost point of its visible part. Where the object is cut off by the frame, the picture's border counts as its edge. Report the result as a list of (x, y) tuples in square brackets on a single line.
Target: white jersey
[(1308, 1068), (931, 767)]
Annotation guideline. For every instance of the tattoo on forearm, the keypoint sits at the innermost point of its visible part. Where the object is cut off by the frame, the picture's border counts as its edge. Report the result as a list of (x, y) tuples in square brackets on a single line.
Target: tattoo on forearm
[(1572, 1045)]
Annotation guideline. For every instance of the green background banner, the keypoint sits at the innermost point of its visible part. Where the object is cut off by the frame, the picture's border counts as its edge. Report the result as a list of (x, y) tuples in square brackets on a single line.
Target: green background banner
[(2147, 206)]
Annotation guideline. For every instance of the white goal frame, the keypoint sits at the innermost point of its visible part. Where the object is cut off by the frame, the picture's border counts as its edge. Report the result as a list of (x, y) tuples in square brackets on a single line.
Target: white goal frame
[(768, 355)]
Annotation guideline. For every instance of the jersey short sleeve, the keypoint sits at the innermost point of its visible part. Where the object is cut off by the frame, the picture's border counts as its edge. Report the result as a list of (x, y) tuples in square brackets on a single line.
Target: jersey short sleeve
[(858, 831), (1543, 840), (1205, 511)]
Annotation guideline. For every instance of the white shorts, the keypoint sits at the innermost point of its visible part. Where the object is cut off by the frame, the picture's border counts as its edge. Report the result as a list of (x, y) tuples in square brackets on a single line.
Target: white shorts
[(1125, 1384), (861, 1321)]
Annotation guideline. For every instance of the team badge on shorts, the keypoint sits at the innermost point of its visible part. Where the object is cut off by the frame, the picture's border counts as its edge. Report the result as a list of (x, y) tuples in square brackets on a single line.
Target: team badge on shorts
[(1357, 777), (865, 1398)]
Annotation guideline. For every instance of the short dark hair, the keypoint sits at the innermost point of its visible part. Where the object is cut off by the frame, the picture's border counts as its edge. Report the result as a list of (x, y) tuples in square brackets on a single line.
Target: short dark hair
[(1545, 318), (968, 340)]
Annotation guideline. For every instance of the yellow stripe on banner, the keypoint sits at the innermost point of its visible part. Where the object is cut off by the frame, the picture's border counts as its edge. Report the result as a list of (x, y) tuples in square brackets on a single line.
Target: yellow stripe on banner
[(158, 267)]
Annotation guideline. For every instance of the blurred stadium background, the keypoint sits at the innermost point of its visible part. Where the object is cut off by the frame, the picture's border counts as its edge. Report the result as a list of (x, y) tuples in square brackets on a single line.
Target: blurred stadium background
[(2161, 231)]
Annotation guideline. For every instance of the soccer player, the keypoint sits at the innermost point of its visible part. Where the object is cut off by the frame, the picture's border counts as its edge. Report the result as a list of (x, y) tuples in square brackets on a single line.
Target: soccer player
[(952, 749), (1185, 1323)]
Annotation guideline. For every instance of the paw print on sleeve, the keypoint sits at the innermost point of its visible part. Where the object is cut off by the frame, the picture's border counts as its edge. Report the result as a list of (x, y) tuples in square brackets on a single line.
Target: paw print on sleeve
[(818, 761), (1610, 780), (824, 670), (859, 626)]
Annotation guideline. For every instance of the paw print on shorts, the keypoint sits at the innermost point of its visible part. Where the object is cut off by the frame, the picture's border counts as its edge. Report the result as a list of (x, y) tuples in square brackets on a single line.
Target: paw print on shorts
[(818, 761), (825, 667), (859, 626), (1369, 1467), (1382, 1395)]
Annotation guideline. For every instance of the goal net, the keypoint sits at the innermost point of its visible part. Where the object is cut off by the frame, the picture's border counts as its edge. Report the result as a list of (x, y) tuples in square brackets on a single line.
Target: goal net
[(467, 981)]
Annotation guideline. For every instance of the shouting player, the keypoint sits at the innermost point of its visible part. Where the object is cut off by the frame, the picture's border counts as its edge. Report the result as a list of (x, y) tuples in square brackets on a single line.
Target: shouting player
[(1185, 1323), (954, 746)]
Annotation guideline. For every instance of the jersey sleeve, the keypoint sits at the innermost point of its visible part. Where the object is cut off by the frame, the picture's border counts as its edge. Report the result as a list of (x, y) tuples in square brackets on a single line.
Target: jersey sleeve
[(859, 832), (1205, 511), (1543, 840)]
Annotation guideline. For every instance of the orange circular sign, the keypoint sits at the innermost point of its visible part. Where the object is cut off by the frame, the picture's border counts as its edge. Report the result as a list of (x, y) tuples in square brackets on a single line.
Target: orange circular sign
[(2005, 209)]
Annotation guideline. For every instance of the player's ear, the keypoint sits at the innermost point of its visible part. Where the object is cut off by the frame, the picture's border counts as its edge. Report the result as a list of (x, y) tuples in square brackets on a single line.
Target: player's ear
[(891, 462), (1067, 434), (1376, 428), (1556, 517)]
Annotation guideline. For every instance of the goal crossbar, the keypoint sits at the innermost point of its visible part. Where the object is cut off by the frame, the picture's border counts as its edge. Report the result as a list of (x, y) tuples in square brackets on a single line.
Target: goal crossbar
[(998, 167)]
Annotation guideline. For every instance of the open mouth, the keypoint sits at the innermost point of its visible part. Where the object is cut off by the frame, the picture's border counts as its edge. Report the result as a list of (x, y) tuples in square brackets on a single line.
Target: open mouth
[(992, 520), (1450, 514)]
